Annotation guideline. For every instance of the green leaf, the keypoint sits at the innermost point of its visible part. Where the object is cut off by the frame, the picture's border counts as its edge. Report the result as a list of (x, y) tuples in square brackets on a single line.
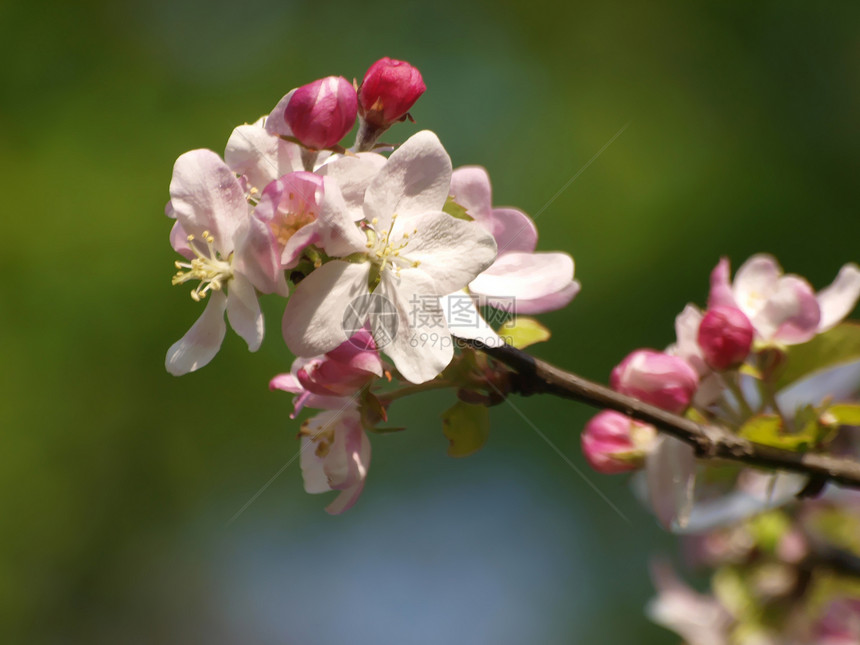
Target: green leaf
[(846, 414), (767, 429), (467, 427), (523, 331), (839, 345), (455, 210)]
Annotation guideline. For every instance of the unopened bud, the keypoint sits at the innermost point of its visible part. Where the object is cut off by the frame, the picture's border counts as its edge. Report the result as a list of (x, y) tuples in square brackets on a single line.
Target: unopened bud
[(613, 443), (321, 113), (725, 336), (668, 382), (390, 87)]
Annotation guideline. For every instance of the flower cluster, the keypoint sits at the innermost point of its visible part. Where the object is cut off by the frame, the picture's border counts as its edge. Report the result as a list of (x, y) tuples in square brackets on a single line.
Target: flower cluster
[(385, 255), (766, 360)]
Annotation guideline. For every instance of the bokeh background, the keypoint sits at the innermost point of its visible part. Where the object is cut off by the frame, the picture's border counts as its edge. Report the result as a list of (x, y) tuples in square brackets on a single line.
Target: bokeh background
[(118, 481)]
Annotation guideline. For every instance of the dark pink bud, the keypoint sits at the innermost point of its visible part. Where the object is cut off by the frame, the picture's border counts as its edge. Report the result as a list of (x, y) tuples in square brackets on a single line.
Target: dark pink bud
[(668, 382), (321, 113), (389, 89), (725, 336), (613, 443)]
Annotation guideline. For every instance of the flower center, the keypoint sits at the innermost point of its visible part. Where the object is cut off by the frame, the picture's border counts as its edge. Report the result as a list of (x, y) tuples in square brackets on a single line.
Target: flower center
[(383, 253), (208, 267), (285, 224)]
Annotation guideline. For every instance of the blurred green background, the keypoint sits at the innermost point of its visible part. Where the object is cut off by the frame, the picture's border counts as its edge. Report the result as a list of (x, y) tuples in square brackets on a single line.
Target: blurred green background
[(117, 481)]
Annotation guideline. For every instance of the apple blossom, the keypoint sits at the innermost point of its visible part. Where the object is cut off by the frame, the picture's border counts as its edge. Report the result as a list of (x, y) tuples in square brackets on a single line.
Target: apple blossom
[(325, 382), (783, 308), (725, 336), (667, 381), (224, 253), (405, 249), (260, 157), (335, 456), (533, 282), (614, 443)]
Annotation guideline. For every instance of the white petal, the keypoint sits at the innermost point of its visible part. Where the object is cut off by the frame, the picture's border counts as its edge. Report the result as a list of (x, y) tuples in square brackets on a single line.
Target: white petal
[(257, 258), (339, 236), (415, 180), (313, 473), (525, 276), (543, 304), (275, 122), (451, 251), (349, 496), (422, 346), (839, 299), (313, 319), (464, 319), (206, 196), (791, 314), (670, 469), (243, 311), (200, 344), (261, 156), (353, 175), (754, 283)]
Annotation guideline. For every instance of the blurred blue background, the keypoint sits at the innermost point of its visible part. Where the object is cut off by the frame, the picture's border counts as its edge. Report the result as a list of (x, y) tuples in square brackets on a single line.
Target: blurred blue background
[(117, 481)]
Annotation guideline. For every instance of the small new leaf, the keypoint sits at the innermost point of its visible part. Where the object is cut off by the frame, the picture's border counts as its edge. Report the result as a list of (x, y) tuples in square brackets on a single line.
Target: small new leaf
[(467, 427), (834, 347), (767, 429), (455, 210), (845, 414), (522, 332)]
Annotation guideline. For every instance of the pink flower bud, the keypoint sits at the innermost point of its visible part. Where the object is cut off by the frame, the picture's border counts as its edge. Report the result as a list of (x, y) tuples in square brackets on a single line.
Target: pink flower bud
[(389, 89), (725, 336), (344, 370), (613, 443), (668, 382), (320, 114)]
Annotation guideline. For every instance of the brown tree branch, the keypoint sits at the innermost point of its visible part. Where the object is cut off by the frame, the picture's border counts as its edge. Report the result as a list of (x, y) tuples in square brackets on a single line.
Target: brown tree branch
[(534, 376)]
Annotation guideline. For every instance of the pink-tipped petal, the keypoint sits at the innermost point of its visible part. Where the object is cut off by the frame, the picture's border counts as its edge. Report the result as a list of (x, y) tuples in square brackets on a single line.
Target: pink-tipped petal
[(513, 230), (547, 303), (525, 275), (470, 188), (721, 294), (791, 313), (839, 299), (202, 342)]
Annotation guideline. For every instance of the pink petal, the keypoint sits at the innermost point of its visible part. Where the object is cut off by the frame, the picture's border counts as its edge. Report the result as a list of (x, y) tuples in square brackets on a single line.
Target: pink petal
[(721, 294), (838, 300), (179, 241), (202, 342), (513, 230), (415, 180), (525, 275), (791, 313), (257, 257), (313, 319), (470, 188), (206, 196), (549, 302)]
